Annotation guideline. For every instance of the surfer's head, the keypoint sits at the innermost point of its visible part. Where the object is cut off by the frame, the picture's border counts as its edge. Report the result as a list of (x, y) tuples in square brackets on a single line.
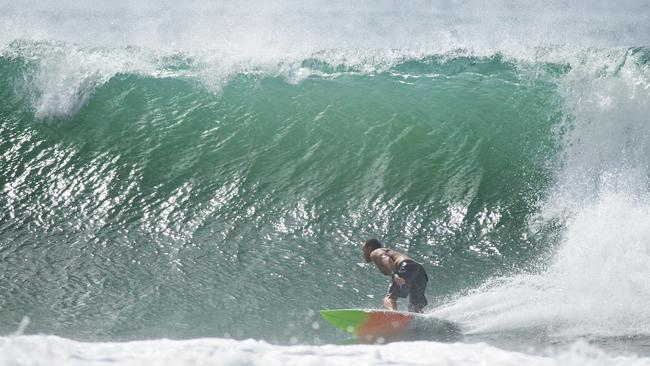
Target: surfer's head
[(368, 246)]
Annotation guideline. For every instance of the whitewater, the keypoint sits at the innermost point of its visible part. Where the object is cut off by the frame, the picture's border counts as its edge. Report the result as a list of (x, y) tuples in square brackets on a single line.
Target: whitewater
[(190, 183)]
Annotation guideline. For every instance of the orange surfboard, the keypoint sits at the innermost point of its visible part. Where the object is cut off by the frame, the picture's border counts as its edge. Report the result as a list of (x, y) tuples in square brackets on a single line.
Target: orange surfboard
[(378, 326)]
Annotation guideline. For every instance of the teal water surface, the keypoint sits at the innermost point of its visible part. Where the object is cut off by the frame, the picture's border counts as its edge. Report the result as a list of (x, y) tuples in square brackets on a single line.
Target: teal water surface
[(160, 208)]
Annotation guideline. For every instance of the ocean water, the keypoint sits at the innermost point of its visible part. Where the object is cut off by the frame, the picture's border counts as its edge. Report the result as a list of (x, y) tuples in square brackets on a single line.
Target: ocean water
[(190, 183)]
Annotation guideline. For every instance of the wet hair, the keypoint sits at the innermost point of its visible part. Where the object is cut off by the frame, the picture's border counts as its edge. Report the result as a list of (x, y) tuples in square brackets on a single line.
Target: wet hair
[(368, 246)]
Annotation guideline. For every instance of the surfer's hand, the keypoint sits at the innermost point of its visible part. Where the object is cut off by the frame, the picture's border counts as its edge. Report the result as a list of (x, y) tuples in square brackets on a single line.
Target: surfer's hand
[(399, 280)]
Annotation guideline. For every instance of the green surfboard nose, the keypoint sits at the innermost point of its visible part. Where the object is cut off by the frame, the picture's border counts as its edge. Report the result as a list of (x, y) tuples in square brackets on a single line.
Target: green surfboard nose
[(345, 319)]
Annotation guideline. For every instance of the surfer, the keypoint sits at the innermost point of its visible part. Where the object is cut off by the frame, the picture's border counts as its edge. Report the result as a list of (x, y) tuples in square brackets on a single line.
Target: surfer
[(408, 277)]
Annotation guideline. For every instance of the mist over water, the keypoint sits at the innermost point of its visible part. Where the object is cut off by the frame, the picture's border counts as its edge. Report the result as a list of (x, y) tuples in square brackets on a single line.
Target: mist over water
[(208, 170), (250, 28)]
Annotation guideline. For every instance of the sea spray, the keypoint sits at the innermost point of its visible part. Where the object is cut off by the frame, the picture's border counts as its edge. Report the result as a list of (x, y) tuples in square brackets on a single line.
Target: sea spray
[(595, 283)]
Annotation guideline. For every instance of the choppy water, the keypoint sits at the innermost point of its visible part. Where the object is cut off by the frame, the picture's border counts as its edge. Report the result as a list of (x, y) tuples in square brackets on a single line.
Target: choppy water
[(187, 171)]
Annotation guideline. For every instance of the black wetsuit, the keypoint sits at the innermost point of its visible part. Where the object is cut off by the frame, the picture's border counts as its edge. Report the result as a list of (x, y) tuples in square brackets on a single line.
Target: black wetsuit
[(416, 282)]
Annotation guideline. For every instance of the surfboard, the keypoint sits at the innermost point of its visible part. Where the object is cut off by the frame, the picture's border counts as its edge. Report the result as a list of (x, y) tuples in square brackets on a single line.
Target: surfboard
[(385, 325)]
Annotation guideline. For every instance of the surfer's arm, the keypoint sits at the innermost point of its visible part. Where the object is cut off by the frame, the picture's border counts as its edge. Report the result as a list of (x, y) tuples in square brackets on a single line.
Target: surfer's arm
[(400, 281), (390, 303)]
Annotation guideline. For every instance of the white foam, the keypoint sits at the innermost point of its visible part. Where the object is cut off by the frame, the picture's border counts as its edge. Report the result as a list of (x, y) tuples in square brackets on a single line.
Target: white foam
[(597, 282), (53, 351), (596, 286)]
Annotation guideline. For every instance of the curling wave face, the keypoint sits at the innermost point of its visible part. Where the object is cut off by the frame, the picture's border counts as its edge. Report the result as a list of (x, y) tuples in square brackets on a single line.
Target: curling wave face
[(200, 170)]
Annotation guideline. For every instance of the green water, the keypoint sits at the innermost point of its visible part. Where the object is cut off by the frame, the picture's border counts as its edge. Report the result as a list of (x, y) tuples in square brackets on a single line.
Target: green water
[(162, 208)]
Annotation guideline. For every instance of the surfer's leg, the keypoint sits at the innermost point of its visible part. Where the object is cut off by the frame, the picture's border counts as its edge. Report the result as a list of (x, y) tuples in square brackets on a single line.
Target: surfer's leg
[(390, 303), (415, 308), (417, 299), (395, 291)]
